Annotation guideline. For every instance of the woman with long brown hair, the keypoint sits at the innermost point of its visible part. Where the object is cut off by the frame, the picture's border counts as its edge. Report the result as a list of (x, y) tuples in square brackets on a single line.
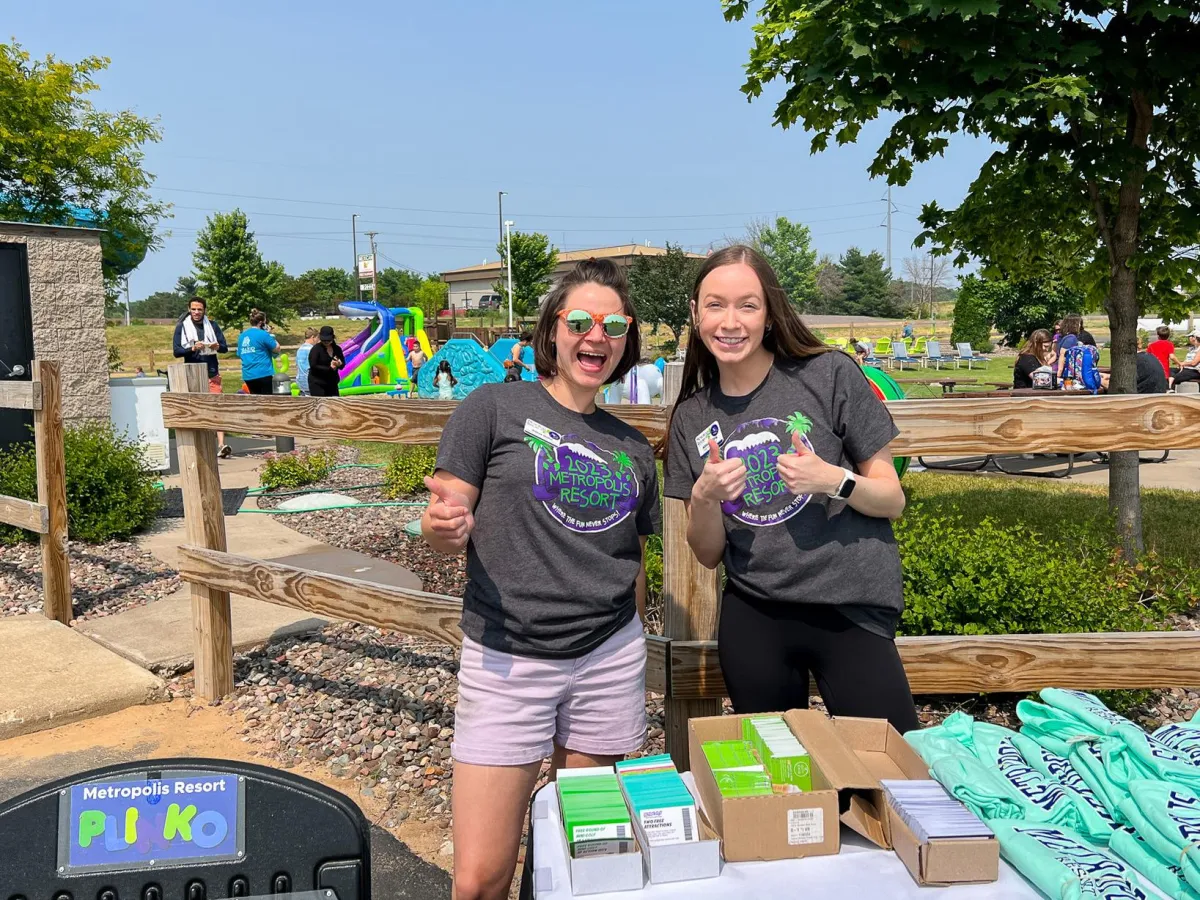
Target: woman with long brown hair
[(779, 449), (1035, 354)]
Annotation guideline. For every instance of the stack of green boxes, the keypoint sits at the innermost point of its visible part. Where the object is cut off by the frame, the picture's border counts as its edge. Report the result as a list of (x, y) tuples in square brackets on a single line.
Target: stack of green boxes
[(661, 803), (785, 759), (735, 769), (594, 814)]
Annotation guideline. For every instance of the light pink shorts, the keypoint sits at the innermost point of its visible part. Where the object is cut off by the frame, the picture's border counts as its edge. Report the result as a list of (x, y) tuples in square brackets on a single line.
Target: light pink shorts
[(512, 710)]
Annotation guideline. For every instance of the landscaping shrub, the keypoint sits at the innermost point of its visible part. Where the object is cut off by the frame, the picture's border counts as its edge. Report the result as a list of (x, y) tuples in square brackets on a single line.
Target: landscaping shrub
[(406, 470), (110, 493), (989, 578), (973, 315), (296, 469)]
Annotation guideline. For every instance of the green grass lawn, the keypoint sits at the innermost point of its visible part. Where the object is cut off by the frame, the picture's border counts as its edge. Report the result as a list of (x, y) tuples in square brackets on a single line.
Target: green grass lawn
[(1042, 506)]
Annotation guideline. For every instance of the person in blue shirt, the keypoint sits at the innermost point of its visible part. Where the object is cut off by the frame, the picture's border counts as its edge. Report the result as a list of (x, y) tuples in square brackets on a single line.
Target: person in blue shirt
[(908, 331), (257, 350), (302, 363)]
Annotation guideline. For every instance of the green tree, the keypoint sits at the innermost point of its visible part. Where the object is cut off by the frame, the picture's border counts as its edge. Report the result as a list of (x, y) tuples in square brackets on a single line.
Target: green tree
[(866, 285), (430, 297), (831, 287), (159, 305), (1020, 307), (231, 273), (788, 247), (1093, 107), (397, 286), (62, 161), (330, 286), (661, 288), (973, 312), (533, 262)]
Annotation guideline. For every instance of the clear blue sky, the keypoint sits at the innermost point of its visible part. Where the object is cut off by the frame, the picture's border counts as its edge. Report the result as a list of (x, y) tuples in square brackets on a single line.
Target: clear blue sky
[(606, 121)]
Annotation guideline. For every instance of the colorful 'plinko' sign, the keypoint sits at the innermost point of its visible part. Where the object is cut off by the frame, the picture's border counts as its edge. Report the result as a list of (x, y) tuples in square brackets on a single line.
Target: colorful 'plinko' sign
[(154, 822)]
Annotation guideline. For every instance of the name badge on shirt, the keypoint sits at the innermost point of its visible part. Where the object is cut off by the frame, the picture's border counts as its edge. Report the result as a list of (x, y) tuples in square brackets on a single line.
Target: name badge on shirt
[(712, 432), (534, 429)]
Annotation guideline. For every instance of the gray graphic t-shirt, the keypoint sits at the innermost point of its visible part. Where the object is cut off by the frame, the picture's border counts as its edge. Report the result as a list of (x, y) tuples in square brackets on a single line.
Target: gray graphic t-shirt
[(782, 547), (563, 500)]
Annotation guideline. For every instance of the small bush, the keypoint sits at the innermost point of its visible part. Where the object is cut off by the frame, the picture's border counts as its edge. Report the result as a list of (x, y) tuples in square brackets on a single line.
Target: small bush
[(110, 494), (296, 469), (406, 470), (988, 578), (114, 358)]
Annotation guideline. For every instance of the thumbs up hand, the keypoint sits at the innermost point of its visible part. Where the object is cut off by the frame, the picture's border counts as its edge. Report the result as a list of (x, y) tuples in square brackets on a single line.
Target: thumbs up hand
[(448, 519), (722, 480), (803, 472)]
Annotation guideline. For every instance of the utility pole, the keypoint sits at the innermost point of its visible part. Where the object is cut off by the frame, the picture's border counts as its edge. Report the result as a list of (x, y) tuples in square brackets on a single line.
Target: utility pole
[(889, 227), (500, 204), (508, 254), (374, 268), (354, 243), (126, 300)]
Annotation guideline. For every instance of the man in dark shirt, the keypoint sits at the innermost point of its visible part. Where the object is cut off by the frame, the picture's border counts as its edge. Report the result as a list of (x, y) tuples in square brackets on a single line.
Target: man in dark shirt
[(198, 339), (1151, 379)]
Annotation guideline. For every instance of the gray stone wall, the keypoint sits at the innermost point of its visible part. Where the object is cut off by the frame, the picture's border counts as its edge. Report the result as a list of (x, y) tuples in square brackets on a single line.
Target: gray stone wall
[(66, 290)]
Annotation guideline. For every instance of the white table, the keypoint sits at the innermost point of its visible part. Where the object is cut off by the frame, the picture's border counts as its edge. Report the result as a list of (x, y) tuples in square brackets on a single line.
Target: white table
[(861, 870)]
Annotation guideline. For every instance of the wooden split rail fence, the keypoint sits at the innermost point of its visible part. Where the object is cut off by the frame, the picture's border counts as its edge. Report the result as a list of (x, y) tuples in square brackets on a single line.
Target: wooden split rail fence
[(682, 664), (48, 516)]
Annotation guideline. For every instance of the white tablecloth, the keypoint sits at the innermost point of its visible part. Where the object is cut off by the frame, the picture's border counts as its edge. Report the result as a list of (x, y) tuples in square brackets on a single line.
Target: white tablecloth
[(859, 872)]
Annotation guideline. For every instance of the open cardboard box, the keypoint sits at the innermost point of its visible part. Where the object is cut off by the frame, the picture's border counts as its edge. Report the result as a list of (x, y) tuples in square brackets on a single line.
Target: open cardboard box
[(781, 826), (886, 755)]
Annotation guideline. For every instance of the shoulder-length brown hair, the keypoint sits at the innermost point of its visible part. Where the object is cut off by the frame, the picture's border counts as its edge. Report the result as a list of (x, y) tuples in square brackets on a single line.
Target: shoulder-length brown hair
[(1038, 345), (787, 336), (1072, 324), (605, 273)]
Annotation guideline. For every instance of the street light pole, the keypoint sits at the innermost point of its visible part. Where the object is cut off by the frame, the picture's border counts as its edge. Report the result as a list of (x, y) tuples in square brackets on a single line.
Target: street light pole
[(508, 254), (354, 243)]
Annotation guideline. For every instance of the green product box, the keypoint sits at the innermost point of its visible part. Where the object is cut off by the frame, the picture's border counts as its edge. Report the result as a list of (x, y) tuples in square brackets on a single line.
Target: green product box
[(589, 784), (586, 818), (731, 756), (782, 754), (790, 767), (742, 784)]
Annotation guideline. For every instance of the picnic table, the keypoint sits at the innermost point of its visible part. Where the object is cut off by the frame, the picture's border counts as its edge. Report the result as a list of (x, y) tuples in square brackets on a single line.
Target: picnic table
[(946, 384), (978, 464)]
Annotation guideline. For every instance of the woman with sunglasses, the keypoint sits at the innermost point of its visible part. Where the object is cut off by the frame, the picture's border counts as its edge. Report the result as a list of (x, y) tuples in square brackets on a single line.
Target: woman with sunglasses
[(553, 500), (778, 447)]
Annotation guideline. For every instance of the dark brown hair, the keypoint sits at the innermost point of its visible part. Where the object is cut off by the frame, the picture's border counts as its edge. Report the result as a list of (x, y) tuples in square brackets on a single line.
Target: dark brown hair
[(1072, 324), (199, 300), (605, 273), (787, 336), (1163, 332), (1038, 345), (257, 319)]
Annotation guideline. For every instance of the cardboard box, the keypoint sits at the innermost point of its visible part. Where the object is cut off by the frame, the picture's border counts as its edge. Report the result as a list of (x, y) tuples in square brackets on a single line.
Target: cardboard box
[(779, 826), (885, 755), (594, 874), (681, 862)]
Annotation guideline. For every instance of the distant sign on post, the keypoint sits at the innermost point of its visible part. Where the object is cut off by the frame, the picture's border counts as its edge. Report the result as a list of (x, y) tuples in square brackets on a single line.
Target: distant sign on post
[(366, 266)]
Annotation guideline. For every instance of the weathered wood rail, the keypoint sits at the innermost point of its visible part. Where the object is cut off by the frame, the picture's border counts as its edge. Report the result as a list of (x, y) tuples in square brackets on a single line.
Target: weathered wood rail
[(48, 516), (682, 664)]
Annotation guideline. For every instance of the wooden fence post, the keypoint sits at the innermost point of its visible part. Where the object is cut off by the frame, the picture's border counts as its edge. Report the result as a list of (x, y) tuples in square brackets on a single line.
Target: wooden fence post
[(690, 601), (212, 628), (52, 492)]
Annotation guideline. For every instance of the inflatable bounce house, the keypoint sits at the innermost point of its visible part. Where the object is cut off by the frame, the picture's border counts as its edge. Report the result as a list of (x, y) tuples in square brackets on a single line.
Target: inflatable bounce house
[(887, 388), (382, 346)]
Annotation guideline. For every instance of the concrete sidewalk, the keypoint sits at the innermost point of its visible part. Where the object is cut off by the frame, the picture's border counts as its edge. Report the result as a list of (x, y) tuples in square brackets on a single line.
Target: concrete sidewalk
[(50, 675)]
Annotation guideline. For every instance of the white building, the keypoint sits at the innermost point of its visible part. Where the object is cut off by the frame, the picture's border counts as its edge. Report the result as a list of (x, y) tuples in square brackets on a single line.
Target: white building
[(474, 285)]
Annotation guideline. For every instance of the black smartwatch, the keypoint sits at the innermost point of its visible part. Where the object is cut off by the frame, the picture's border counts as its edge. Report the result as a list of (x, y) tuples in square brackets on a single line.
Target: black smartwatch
[(846, 488)]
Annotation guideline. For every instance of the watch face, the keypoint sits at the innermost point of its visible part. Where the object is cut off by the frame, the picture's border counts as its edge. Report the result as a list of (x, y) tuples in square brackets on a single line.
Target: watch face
[(847, 488)]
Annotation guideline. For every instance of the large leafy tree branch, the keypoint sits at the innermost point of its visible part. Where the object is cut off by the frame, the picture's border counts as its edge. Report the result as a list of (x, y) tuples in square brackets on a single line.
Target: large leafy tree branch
[(1094, 109)]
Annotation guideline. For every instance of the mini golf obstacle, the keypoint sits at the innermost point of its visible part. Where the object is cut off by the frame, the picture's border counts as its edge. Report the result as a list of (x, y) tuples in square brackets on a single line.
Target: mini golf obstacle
[(887, 388)]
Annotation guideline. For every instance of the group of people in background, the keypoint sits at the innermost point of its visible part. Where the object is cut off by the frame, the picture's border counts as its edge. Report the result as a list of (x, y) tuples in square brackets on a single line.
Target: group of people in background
[(1051, 360)]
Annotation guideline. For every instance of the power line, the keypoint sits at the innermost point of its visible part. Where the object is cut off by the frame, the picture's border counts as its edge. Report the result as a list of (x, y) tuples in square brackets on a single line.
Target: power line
[(453, 212)]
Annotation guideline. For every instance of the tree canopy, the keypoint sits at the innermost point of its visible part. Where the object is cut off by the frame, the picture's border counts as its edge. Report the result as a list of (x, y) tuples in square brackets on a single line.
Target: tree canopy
[(1095, 111), (533, 262), (64, 162), (660, 288), (231, 272), (787, 245)]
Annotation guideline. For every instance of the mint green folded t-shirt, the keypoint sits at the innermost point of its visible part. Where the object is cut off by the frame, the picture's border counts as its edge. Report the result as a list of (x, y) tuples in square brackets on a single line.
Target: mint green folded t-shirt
[(1168, 878), (1097, 820), (1064, 866)]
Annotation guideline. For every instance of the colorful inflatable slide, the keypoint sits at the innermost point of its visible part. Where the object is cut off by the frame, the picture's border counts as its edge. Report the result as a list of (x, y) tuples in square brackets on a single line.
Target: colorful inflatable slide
[(383, 346)]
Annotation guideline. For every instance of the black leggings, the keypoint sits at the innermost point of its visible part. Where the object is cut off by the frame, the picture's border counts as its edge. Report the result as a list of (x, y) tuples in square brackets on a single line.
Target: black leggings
[(260, 385), (1182, 375), (768, 649)]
